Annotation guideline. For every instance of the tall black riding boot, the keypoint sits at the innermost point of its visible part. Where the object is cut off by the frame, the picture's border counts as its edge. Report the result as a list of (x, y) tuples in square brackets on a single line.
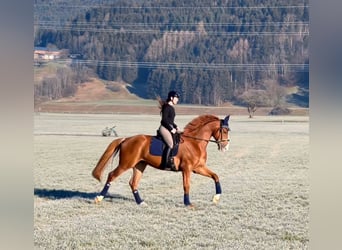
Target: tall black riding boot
[(164, 158), (170, 163), (168, 159)]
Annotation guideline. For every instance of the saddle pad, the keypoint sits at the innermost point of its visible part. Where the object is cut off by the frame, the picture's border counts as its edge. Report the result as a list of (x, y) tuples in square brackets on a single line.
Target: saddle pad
[(157, 146)]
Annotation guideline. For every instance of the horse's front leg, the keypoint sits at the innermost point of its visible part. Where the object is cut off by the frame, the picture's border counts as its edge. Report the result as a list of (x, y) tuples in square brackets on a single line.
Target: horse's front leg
[(205, 171), (186, 187)]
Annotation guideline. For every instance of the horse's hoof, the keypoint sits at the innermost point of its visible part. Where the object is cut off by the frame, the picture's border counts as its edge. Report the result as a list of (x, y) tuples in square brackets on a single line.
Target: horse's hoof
[(191, 206), (98, 199), (216, 198), (143, 204)]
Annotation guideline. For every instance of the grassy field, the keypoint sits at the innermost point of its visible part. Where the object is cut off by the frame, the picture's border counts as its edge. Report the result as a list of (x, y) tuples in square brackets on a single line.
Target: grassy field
[(264, 179)]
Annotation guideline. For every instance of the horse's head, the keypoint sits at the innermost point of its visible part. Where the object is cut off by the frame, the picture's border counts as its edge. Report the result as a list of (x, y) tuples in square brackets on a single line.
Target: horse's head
[(204, 127), (221, 134)]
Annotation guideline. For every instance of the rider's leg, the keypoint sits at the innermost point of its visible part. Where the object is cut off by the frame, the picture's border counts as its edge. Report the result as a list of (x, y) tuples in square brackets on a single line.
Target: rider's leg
[(167, 159)]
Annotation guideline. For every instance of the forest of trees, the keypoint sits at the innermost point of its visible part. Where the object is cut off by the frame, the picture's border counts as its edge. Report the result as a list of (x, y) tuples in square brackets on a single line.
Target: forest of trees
[(210, 51)]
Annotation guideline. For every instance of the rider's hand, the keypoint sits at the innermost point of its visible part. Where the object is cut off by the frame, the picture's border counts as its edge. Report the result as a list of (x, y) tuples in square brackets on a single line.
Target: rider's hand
[(173, 131)]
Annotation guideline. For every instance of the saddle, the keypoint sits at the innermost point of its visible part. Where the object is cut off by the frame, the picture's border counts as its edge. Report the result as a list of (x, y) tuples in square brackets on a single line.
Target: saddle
[(158, 144)]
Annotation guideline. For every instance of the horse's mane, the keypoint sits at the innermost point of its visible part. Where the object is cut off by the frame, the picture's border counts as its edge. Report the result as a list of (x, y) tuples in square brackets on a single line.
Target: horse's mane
[(199, 122)]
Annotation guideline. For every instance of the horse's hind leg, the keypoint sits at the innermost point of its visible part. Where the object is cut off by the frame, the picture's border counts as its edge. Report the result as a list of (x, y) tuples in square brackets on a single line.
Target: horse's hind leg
[(134, 181), (111, 177)]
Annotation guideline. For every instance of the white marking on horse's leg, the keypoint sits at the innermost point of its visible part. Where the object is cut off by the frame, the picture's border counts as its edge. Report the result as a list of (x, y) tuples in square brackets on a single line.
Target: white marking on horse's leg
[(98, 199), (216, 198), (143, 204)]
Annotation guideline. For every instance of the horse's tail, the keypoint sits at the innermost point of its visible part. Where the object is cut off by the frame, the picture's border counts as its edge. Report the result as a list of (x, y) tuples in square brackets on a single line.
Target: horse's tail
[(111, 151)]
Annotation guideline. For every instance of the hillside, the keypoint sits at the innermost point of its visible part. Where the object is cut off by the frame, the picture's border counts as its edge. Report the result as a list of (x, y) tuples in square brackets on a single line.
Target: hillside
[(97, 90), (213, 52), (95, 97)]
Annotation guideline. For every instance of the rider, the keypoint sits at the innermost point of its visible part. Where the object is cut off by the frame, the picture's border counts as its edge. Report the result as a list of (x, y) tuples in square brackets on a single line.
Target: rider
[(168, 128)]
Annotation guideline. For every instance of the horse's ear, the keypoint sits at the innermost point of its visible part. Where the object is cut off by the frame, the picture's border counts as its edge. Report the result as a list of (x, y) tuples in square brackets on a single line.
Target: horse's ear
[(224, 122)]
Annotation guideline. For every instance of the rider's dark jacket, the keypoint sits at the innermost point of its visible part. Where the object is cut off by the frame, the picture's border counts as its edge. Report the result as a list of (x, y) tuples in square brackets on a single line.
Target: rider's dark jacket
[(168, 117)]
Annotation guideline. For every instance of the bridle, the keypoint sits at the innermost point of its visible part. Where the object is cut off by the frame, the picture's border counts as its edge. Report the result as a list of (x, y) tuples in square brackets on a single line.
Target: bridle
[(217, 141), (223, 125)]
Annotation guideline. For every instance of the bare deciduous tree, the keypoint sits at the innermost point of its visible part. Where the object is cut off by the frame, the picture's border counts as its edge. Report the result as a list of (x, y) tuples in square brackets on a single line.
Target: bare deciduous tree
[(276, 93)]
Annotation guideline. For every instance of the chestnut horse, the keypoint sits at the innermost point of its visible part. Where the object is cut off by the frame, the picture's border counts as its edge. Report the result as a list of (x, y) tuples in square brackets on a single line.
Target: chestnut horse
[(191, 156)]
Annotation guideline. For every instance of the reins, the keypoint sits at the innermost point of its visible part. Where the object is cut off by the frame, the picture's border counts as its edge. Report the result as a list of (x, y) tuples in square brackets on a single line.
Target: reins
[(200, 139), (207, 140)]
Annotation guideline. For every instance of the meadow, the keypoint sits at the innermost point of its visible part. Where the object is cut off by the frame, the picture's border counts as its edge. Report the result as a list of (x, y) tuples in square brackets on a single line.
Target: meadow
[(264, 179)]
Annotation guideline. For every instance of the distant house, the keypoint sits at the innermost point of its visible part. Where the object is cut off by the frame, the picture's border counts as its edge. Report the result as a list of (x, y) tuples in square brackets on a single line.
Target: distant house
[(47, 54)]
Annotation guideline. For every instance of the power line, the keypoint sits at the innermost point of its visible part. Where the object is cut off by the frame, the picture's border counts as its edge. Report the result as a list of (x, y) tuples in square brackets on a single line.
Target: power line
[(203, 66), (151, 31), (170, 7), (136, 28), (55, 25), (41, 22)]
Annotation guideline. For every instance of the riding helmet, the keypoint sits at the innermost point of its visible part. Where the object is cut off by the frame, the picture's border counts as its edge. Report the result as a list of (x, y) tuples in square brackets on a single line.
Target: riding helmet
[(173, 94)]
